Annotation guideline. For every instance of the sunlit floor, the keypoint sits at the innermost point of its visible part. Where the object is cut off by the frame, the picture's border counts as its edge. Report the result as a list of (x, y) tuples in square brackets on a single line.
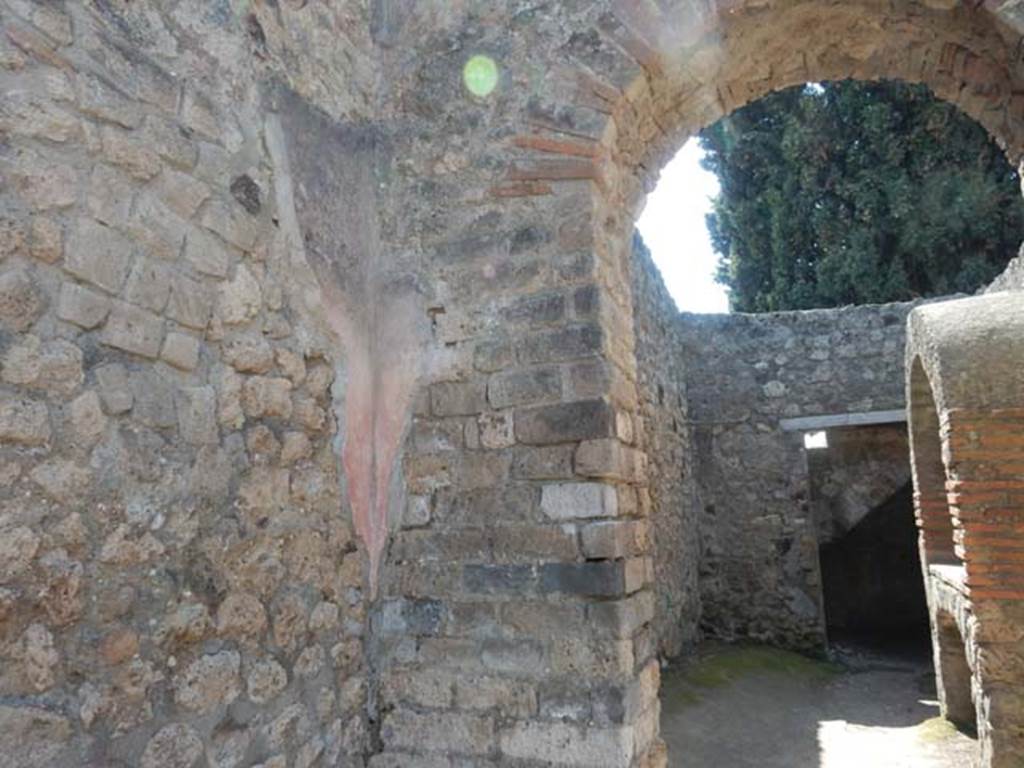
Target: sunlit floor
[(761, 708)]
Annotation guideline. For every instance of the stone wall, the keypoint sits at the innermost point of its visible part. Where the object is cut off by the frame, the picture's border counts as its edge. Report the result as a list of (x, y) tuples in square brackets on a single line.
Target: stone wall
[(179, 575), (744, 373), (666, 436), (320, 417)]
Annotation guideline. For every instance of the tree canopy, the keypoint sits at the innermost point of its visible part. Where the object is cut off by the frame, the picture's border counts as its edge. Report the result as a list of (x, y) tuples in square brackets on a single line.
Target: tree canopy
[(852, 193)]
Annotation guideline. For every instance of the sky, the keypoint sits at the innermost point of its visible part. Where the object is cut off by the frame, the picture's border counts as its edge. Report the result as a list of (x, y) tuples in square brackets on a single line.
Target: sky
[(672, 225)]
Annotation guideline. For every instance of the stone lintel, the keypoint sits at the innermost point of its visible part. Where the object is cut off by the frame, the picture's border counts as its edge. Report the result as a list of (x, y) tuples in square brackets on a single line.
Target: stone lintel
[(830, 421)]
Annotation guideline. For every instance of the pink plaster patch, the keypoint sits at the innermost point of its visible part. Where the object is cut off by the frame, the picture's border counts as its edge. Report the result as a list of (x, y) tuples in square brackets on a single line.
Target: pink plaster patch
[(383, 367)]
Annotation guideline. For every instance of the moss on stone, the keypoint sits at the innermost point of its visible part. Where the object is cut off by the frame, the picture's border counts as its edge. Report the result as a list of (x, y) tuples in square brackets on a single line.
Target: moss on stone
[(723, 665), (935, 730)]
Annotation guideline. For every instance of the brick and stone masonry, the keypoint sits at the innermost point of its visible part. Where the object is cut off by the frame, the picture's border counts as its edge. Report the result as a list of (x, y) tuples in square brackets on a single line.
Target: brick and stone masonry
[(336, 424)]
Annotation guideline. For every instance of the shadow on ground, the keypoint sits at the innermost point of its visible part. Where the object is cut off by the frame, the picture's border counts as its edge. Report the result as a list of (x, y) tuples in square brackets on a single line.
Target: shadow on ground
[(756, 707)]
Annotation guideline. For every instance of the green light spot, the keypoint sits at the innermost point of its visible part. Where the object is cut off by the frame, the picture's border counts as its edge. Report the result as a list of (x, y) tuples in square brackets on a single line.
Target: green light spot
[(480, 75)]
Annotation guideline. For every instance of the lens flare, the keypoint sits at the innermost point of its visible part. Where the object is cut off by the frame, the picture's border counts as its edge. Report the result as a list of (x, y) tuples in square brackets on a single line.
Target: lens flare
[(480, 75)]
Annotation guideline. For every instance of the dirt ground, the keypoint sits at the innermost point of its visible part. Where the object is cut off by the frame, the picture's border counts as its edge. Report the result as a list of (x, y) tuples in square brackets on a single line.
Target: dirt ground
[(751, 707)]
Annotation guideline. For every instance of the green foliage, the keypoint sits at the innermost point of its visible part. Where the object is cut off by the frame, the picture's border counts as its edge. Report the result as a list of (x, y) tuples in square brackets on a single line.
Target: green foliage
[(853, 193)]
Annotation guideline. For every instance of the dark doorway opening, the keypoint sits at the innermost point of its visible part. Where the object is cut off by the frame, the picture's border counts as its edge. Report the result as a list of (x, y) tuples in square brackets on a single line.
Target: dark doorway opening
[(872, 582)]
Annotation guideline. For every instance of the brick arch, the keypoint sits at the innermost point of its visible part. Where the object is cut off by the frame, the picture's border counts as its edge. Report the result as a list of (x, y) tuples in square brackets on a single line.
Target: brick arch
[(696, 69)]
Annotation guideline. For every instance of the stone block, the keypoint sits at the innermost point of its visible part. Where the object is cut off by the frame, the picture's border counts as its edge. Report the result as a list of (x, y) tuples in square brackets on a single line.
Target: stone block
[(605, 578), (47, 240), (206, 254), (443, 545), (568, 745), (189, 302), (622, 618), (232, 223), (498, 579), (180, 192), (153, 398), (490, 356), (12, 236), (181, 351), (482, 470), (508, 698), (110, 196), (458, 398), (548, 462), (98, 255), (240, 299), (266, 679), (42, 185), (593, 656), (411, 617), (156, 227), (566, 702), (519, 658), (209, 682), (18, 548), (87, 418), (23, 422), (527, 619), (21, 302), (496, 430), (99, 100), (124, 149), (405, 759), (263, 396), (34, 737), (447, 733), (197, 415), (248, 353), (429, 689), (149, 285), (295, 447), (564, 344), (615, 538), (535, 310), (171, 142), (114, 388), (571, 501), (522, 387), (611, 460), (133, 330), (241, 615), (534, 542), (82, 306), (564, 422)]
